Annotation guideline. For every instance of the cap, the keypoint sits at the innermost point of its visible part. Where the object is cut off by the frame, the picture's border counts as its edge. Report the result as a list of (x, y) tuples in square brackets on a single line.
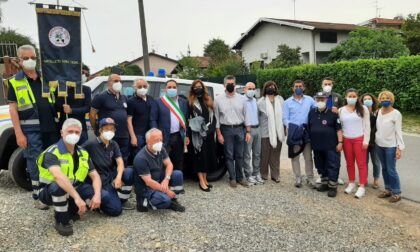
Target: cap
[(321, 95), (106, 121)]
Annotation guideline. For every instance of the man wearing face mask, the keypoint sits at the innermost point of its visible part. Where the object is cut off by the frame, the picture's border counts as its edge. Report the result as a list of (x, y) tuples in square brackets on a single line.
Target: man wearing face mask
[(334, 100), (112, 103), (295, 118), (231, 112), (34, 117), (171, 120), (63, 170), (75, 108), (253, 147), (156, 182), (327, 142), (116, 180), (140, 107)]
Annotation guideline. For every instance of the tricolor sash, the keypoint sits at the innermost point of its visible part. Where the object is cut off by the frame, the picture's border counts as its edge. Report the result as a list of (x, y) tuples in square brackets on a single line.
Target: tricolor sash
[(175, 110)]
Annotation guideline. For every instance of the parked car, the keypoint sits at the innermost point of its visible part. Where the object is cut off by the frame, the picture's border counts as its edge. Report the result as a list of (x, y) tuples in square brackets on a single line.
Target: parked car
[(11, 156)]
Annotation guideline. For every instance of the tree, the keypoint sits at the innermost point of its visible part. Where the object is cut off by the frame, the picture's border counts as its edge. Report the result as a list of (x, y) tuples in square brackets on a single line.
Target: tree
[(287, 57), (366, 43), (411, 33), (132, 70), (234, 65), (217, 50), (9, 35), (189, 68)]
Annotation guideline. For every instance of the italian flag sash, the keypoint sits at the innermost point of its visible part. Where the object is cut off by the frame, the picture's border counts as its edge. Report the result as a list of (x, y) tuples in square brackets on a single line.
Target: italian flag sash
[(173, 107)]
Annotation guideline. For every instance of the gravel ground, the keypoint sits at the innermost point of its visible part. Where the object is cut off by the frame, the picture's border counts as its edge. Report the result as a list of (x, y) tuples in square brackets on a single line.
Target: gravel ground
[(271, 217)]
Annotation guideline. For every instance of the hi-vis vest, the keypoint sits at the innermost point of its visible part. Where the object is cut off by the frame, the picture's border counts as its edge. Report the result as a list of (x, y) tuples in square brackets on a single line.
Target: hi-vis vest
[(26, 101), (66, 165)]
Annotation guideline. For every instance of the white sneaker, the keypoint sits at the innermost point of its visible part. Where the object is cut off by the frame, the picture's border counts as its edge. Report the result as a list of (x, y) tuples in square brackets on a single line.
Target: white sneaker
[(318, 181), (340, 181), (259, 180), (361, 191), (252, 180), (350, 188), (39, 205)]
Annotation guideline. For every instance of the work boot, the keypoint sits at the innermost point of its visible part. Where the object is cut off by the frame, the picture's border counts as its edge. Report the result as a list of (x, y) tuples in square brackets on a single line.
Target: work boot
[(175, 206), (128, 205), (64, 229), (332, 192), (41, 206), (322, 188)]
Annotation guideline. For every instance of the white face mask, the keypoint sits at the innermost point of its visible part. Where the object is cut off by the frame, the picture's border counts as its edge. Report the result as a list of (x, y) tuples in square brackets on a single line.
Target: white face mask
[(327, 89), (321, 104), (157, 146), (142, 91), (108, 135), (84, 78), (72, 139), (117, 86), (29, 64)]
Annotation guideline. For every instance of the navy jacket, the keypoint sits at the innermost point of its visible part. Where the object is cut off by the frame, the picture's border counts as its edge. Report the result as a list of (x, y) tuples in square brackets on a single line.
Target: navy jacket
[(297, 138), (163, 118)]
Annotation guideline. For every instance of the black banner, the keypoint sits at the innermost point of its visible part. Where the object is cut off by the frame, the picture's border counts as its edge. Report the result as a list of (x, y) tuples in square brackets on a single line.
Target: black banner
[(59, 31)]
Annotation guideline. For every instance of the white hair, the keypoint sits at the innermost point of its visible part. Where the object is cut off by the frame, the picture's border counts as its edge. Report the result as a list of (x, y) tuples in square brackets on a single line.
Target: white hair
[(25, 48), (150, 132), (137, 80), (71, 122)]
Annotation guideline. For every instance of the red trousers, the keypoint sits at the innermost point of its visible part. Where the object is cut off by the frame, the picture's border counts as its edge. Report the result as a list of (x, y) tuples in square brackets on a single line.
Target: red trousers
[(353, 151)]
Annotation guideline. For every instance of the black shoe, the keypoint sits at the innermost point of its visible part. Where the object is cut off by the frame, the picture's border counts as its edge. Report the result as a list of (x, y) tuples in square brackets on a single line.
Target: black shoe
[(204, 189), (75, 217), (64, 229), (179, 191), (332, 192), (323, 188), (276, 180), (210, 186), (175, 206), (142, 209)]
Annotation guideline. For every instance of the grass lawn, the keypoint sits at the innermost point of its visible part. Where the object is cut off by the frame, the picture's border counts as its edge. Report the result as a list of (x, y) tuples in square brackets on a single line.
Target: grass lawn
[(411, 123)]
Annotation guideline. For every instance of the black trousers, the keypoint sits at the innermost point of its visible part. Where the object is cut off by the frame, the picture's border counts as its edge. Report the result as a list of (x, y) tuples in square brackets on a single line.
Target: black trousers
[(175, 150)]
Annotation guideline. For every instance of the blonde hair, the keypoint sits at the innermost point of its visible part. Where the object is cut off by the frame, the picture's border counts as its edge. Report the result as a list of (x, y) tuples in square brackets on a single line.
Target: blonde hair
[(388, 94)]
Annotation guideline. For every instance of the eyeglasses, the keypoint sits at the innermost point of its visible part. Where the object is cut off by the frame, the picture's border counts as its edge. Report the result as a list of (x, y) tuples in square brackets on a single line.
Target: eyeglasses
[(26, 58)]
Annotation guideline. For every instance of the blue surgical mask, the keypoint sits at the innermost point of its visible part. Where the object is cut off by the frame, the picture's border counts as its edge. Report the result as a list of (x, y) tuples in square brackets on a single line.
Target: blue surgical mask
[(299, 91), (368, 103), (250, 93), (172, 92), (351, 101), (386, 104)]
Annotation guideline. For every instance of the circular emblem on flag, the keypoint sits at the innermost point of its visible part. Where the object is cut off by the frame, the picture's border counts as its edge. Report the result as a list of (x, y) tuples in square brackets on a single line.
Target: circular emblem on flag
[(59, 36), (324, 122)]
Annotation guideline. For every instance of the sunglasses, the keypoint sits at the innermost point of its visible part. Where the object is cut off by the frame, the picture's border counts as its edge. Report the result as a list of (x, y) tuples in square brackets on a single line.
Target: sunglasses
[(26, 58)]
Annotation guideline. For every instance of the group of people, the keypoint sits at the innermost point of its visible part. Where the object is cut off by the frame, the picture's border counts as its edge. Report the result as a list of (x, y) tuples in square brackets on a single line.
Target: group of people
[(73, 174)]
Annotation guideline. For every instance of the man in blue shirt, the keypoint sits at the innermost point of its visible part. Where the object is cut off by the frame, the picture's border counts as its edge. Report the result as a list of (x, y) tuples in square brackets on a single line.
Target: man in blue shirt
[(252, 169), (111, 103), (295, 114)]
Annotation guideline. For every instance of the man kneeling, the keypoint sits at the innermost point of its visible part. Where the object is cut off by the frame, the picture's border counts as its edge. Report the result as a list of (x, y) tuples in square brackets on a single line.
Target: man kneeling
[(156, 183), (63, 169), (116, 180)]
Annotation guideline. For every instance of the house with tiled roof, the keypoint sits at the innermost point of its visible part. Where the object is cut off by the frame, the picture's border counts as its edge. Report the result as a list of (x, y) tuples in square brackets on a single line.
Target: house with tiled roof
[(384, 23), (316, 39)]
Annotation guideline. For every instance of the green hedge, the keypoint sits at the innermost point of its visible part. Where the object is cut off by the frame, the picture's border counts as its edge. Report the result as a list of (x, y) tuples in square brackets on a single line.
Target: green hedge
[(401, 76)]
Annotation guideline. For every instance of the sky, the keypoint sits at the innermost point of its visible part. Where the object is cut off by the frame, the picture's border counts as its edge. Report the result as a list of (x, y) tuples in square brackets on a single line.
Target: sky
[(173, 25)]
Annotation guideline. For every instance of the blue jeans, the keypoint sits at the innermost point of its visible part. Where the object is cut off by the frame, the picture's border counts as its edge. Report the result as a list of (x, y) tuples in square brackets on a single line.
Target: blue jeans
[(253, 149), (234, 150), (31, 153), (375, 162), (389, 168), (64, 206), (156, 199), (114, 197)]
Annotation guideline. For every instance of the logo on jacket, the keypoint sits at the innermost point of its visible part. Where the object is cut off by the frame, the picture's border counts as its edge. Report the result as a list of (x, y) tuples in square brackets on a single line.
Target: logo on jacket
[(59, 36)]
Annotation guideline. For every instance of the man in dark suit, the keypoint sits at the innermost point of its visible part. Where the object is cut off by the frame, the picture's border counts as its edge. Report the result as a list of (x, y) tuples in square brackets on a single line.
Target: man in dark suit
[(171, 119)]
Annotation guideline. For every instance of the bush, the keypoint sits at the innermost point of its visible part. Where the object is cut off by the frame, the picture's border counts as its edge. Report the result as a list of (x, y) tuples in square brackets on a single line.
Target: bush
[(400, 75)]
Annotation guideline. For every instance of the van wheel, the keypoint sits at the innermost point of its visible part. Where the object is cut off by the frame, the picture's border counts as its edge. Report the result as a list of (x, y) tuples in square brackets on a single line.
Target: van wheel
[(17, 170)]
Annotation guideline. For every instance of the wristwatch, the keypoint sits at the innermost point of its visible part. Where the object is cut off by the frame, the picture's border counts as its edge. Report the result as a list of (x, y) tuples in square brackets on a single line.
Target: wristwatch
[(168, 177)]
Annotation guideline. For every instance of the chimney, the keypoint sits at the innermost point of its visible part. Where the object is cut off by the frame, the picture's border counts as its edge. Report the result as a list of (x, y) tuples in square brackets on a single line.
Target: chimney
[(166, 55)]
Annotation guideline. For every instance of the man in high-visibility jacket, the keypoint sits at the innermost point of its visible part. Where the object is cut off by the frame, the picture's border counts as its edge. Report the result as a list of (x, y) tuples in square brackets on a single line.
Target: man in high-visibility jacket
[(63, 170), (33, 116)]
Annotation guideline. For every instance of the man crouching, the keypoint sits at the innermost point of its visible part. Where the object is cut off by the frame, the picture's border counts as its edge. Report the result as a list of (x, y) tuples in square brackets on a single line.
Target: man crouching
[(156, 183), (63, 169)]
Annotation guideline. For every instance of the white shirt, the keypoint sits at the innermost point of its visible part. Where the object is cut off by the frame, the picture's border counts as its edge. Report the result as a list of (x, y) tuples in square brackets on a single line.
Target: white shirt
[(389, 130), (174, 121), (355, 126)]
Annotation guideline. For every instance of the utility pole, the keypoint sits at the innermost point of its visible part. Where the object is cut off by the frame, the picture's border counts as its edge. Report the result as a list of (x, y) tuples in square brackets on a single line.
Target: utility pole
[(144, 38), (294, 9)]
